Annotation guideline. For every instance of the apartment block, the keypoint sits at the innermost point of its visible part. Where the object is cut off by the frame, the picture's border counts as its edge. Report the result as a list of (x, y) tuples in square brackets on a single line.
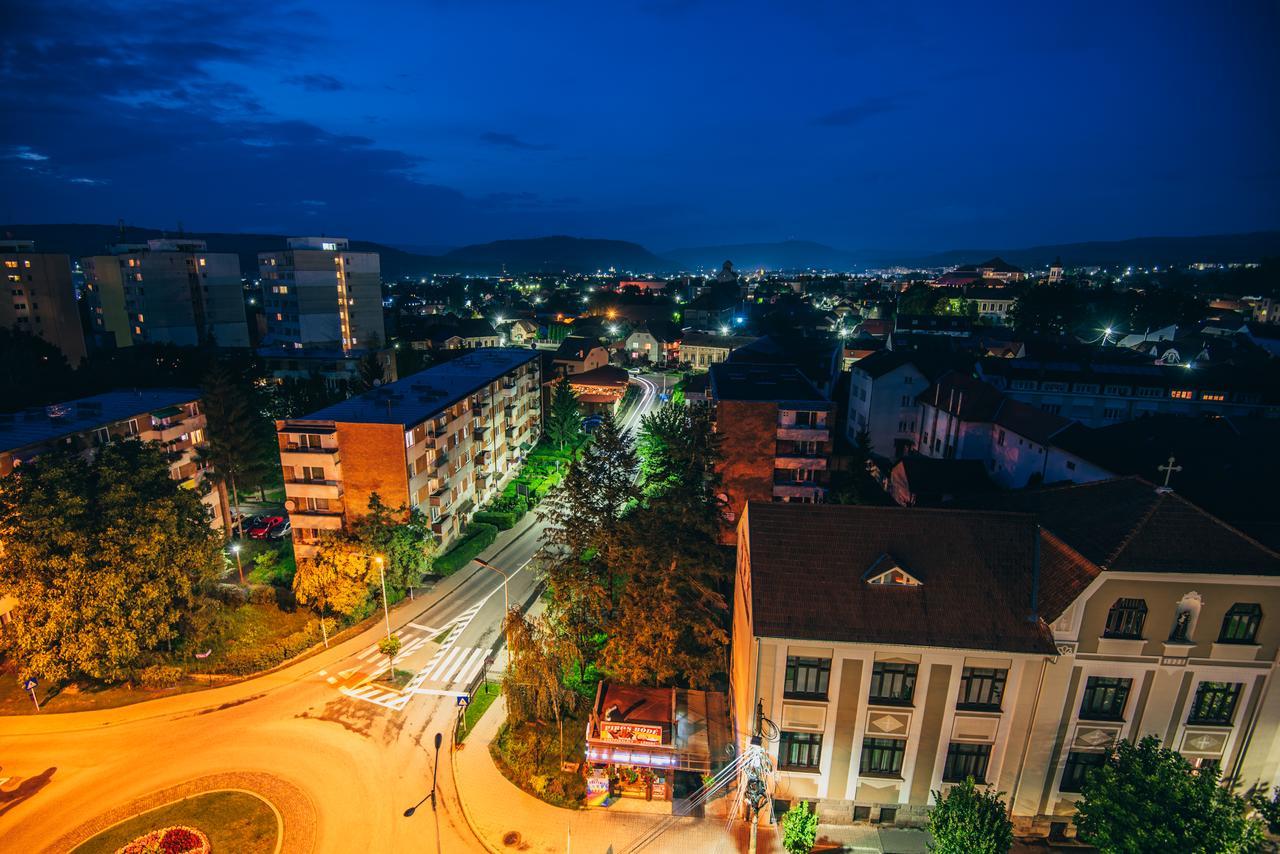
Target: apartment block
[(775, 429), (41, 298), (172, 291), (1013, 647), (318, 293), (441, 440), (170, 416)]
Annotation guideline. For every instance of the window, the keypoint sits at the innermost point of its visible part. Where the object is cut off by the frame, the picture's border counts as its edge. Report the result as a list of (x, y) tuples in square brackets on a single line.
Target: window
[(882, 757), (981, 688), (1215, 703), (1125, 619), (799, 751), (1078, 767), (806, 419), (1241, 623), (1105, 698), (1051, 408), (966, 760), (1000, 438), (1113, 413), (312, 472), (1216, 397), (1071, 466), (893, 683), (319, 504), (906, 400), (1181, 394), (807, 678)]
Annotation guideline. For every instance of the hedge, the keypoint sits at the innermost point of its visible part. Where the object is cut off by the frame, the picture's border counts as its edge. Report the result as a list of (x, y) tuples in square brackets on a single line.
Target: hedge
[(475, 539), (501, 520), (267, 655)]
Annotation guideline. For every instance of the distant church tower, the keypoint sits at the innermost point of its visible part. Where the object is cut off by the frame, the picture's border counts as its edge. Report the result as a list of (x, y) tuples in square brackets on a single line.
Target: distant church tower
[(1055, 271)]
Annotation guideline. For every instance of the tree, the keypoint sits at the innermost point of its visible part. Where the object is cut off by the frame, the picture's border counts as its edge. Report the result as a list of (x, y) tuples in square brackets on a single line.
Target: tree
[(240, 444), (403, 536), (1147, 798), (564, 418), (32, 372), (106, 558), (390, 647), (583, 519), (336, 578), (918, 299), (969, 820), (799, 828), (369, 371)]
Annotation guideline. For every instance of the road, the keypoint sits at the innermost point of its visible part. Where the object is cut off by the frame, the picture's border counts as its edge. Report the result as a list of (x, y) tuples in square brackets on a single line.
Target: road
[(358, 755)]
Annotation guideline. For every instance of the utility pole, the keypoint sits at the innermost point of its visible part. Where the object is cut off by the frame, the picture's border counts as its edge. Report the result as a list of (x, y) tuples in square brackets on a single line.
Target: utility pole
[(756, 765)]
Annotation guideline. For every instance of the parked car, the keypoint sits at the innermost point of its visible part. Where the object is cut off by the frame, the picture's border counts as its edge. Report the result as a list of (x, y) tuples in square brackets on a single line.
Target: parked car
[(263, 525), (280, 531)]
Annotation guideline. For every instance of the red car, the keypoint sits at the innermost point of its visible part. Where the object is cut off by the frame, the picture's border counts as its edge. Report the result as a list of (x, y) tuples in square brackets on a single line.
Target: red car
[(261, 528)]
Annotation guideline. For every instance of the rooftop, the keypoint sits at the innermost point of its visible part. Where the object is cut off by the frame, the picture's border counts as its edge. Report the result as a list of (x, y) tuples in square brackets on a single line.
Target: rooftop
[(42, 424), (811, 566), (748, 381), (419, 396)]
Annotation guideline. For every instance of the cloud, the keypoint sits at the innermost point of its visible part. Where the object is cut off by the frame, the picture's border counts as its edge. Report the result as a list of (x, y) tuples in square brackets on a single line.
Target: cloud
[(510, 140), (23, 152), (316, 82), (858, 113)]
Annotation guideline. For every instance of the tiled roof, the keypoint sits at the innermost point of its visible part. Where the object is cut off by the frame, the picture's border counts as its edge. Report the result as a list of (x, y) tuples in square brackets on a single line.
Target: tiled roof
[(928, 476), (1126, 524), (1064, 575), (964, 396), (752, 382), (575, 348), (1029, 422), (976, 568)]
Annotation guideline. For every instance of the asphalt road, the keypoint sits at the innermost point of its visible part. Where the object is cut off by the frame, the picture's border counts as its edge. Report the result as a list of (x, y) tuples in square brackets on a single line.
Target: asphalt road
[(359, 755)]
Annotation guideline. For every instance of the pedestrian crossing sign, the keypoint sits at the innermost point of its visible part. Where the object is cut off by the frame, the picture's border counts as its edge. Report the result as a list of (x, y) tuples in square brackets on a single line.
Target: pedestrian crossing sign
[(463, 699)]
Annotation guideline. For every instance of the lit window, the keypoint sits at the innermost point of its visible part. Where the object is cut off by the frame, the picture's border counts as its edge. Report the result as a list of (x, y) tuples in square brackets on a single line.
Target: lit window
[(203, 262), (1181, 394), (1218, 397), (12, 265)]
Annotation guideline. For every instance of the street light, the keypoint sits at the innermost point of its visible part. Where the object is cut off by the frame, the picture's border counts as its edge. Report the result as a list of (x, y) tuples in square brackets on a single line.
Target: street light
[(506, 605), (235, 550)]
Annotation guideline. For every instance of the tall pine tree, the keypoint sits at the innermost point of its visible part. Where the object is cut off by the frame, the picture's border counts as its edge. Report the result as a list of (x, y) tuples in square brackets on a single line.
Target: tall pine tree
[(564, 418)]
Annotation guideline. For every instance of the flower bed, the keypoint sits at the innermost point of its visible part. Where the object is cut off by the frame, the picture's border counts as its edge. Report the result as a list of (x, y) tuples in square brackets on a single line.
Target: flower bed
[(168, 840)]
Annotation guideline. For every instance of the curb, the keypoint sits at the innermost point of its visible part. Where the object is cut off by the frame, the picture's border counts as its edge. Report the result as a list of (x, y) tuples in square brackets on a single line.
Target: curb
[(466, 811)]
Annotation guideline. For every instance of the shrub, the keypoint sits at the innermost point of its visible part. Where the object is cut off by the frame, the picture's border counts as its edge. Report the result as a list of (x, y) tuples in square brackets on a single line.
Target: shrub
[(503, 521), (969, 820), (231, 594), (799, 829), (160, 676), (475, 539), (262, 594)]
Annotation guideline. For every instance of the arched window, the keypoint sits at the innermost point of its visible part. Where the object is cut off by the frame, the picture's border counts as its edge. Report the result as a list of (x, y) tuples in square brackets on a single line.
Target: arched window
[(1125, 619), (1241, 623)]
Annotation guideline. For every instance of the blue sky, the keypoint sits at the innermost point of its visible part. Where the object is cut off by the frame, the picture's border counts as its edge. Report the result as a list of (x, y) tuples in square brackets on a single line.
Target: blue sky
[(669, 122)]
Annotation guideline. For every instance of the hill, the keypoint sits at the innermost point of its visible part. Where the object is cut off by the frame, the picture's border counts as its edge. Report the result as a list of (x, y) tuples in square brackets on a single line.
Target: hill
[(785, 255), (553, 255), (1139, 251)]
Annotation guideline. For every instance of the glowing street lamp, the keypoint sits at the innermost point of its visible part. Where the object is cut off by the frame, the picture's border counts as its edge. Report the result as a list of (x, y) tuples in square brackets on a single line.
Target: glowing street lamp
[(235, 550), (506, 604)]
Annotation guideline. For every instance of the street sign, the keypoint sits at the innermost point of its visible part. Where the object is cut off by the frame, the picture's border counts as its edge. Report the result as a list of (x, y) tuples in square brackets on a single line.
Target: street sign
[(463, 699), (30, 684)]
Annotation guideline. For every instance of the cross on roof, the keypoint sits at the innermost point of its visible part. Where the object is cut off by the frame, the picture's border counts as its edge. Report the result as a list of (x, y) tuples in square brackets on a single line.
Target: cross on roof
[(1168, 470)]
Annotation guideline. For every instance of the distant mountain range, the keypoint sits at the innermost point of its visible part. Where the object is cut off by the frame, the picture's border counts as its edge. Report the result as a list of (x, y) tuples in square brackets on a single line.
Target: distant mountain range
[(587, 255)]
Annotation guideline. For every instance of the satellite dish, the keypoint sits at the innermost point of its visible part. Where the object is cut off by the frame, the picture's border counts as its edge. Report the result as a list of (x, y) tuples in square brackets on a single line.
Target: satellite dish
[(377, 383), (290, 505)]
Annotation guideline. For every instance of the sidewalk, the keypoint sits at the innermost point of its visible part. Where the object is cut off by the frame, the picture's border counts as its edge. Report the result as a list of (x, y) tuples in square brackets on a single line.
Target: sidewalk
[(495, 808)]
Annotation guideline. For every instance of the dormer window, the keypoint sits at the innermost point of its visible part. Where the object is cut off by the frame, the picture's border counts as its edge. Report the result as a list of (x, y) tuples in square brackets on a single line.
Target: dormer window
[(887, 572)]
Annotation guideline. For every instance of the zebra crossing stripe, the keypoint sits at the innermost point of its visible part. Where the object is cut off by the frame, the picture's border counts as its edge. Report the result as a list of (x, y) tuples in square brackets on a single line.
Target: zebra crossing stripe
[(447, 674), (467, 673), (437, 672), (412, 645)]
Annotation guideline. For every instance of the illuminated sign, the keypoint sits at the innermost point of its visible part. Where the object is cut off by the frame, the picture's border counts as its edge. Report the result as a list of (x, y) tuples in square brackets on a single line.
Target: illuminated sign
[(329, 247), (630, 733)]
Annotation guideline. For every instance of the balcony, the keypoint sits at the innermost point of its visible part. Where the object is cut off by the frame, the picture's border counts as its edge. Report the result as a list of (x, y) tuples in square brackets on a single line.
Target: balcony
[(793, 432), (294, 488), (304, 455), (800, 461), (167, 432), (325, 520), (798, 489)]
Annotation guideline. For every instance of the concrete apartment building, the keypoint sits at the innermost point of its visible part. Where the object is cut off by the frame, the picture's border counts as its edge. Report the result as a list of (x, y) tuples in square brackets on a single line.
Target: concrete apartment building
[(318, 293), (171, 291), (441, 440), (41, 298), (894, 651), (775, 429), (171, 416)]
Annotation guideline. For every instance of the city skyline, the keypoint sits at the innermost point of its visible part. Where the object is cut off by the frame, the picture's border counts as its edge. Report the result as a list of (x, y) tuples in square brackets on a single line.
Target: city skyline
[(670, 124)]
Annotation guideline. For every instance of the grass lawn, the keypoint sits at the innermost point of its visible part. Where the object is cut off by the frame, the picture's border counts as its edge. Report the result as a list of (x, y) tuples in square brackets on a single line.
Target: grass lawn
[(480, 701), (279, 573), (233, 821), (401, 679)]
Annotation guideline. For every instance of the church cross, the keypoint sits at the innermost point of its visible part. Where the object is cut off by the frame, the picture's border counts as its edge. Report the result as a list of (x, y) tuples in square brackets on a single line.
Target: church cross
[(1168, 471)]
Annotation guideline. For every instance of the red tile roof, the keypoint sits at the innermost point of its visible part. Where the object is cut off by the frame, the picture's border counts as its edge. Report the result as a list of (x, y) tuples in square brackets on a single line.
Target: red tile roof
[(976, 568)]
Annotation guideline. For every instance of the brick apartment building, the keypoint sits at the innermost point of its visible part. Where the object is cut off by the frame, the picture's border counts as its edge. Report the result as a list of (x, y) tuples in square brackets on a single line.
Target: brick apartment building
[(170, 416), (775, 429), (440, 440)]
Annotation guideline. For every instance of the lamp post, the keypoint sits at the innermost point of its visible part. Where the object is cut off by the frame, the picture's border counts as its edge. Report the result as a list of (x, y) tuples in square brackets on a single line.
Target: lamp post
[(383, 577), (235, 550), (506, 604)]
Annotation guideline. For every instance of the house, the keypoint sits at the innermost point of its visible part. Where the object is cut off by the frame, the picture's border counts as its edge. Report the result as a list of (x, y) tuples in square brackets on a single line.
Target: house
[(993, 304), (882, 397), (657, 342), (892, 652), (523, 332), (578, 354), (996, 269), (701, 350), (917, 481), (600, 389)]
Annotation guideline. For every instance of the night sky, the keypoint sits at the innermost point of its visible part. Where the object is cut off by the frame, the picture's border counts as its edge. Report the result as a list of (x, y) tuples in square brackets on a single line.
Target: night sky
[(670, 122)]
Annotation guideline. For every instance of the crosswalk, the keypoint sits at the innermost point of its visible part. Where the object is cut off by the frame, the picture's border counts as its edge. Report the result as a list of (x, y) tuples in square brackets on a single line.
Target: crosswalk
[(450, 670)]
